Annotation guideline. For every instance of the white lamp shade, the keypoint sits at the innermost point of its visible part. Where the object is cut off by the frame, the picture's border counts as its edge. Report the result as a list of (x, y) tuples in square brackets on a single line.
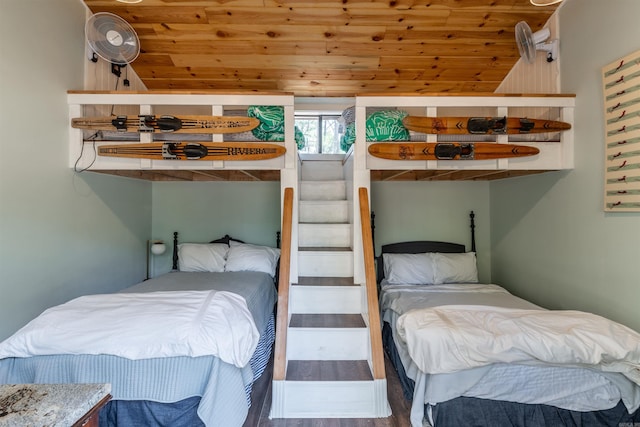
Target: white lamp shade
[(158, 248)]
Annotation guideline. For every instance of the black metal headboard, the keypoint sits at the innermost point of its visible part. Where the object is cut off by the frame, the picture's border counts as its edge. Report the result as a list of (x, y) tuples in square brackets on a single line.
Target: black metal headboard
[(226, 239), (422, 246)]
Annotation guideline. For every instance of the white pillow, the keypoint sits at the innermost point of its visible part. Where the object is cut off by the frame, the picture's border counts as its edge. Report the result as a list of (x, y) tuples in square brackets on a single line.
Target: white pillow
[(455, 268), (246, 257), (409, 268), (202, 256)]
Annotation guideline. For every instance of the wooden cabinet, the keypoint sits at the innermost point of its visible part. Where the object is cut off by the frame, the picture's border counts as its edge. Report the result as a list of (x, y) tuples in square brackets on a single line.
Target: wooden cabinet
[(90, 419)]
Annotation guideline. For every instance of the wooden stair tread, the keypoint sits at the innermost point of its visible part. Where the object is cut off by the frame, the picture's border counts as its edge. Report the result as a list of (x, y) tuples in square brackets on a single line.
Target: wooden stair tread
[(323, 249), (325, 281), (304, 320), (328, 370)]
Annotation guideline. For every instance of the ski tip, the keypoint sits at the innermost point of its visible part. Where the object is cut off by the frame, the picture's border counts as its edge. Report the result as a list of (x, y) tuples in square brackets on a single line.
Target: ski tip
[(562, 125), (525, 150)]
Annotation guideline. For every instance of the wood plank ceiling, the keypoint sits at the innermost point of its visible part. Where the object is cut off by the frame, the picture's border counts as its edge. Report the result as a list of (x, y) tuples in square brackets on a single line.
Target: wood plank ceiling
[(326, 47)]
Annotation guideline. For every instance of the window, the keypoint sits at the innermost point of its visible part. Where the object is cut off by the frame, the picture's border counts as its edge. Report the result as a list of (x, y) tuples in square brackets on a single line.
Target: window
[(322, 133)]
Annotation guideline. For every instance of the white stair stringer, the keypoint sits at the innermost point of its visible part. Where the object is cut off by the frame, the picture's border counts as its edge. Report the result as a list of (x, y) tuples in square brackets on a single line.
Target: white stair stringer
[(330, 399)]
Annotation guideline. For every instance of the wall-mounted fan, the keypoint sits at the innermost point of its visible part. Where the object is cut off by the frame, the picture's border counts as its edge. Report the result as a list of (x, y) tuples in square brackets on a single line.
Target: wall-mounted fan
[(529, 43), (112, 39)]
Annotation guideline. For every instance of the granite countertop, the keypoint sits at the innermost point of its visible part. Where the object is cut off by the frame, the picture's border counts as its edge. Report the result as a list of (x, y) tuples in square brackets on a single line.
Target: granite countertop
[(59, 405)]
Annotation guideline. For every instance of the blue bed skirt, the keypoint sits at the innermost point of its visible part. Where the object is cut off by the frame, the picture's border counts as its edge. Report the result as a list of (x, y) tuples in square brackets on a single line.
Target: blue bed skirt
[(184, 413), (471, 411)]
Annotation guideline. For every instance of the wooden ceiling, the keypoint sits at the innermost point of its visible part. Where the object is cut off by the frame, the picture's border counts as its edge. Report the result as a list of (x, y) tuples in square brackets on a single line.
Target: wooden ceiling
[(326, 47)]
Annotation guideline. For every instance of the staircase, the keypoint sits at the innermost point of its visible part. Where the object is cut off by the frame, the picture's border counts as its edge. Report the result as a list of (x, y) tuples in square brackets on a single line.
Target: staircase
[(328, 346)]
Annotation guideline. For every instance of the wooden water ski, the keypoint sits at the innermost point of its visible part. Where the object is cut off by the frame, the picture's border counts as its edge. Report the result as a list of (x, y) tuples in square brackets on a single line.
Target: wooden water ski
[(182, 124), (482, 125), (449, 151), (195, 150)]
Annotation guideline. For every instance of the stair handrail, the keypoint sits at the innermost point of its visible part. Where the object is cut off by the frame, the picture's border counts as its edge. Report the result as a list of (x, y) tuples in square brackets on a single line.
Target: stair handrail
[(282, 318), (375, 332)]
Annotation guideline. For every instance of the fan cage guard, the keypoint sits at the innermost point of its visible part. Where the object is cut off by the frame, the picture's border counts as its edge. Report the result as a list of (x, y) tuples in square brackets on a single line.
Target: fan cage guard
[(112, 38), (529, 43)]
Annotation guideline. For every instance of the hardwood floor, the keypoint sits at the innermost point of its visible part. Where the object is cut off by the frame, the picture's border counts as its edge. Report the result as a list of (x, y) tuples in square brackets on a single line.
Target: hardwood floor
[(261, 398)]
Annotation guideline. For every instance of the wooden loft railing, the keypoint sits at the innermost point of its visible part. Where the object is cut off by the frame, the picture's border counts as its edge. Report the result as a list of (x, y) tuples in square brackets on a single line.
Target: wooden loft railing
[(280, 357), (377, 357)]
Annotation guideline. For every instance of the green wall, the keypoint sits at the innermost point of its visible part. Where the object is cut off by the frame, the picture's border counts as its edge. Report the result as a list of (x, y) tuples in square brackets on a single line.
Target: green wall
[(407, 211), (61, 234), (552, 242), (203, 211)]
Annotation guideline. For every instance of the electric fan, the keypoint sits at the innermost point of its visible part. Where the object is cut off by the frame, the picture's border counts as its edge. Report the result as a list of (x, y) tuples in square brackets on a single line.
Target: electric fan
[(112, 39), (529, 43)]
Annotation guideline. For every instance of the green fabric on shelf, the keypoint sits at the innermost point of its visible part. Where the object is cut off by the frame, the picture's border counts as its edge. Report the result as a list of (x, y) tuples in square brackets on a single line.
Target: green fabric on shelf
[(271, 127), (380, 126), (348, 138), (387, 126)]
